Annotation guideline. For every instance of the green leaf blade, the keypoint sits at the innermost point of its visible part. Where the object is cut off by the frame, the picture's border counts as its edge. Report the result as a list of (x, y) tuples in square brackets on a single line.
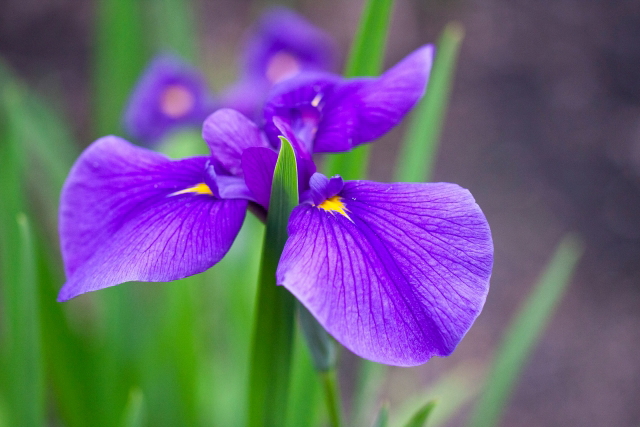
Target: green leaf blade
[(523, 333), (368, 47), (25, 372), (419, 419), (365, 59), (275, 306), (418, 150), (120, 57)]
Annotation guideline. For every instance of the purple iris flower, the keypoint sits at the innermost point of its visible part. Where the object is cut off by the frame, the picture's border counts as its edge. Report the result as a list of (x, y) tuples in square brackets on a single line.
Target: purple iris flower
[(281, 45), (328, 113), (170, 95), (395, 272)]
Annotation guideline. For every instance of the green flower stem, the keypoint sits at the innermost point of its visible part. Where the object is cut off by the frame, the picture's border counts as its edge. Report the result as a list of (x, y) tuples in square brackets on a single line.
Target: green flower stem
[(332, 396), (275, 307)]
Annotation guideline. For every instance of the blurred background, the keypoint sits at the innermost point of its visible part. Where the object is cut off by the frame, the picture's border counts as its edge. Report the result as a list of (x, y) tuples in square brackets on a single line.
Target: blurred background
[(543, 127)]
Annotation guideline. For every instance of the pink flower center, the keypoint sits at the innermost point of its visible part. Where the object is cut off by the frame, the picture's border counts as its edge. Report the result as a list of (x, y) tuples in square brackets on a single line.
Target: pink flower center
[(282, 66), (177, 101)]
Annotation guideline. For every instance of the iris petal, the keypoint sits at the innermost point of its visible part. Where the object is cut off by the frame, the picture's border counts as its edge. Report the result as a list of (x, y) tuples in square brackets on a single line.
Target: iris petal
[(228, 133), (331, 114), (402, 278), (124, 216), (364, 109)]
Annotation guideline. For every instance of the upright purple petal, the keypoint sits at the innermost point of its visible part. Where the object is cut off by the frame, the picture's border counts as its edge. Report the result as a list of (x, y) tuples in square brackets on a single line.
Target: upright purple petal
[(387, 99), (331, 114), (300, 103), (170, 95), (364, 109), (259, 164), (395, 272), (127, 213), (228, 133)]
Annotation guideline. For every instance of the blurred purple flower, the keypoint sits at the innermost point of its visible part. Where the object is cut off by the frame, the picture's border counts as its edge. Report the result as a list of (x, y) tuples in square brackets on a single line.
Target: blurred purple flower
[(282, 45), (328, 113), (170, 95)]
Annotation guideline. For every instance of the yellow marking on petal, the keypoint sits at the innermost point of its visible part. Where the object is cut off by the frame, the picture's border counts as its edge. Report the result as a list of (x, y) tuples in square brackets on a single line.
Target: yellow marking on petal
[(201, 188), (334, 204)]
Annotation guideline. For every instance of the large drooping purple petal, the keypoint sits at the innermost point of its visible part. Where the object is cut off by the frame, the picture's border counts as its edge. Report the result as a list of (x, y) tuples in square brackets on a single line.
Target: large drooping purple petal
[(127, 213), (331, 114), (170, 95), (395, 272), (228, 133)]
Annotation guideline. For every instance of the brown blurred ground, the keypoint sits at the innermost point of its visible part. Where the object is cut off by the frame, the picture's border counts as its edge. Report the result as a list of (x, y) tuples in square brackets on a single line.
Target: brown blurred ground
[(544, 128)]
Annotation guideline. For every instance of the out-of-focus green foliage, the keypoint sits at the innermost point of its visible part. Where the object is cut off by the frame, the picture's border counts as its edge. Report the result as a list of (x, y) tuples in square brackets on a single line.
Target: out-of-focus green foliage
[(178, 353), (419, 419), (524, 331), (365, 59), (417, 153), (275, 306)]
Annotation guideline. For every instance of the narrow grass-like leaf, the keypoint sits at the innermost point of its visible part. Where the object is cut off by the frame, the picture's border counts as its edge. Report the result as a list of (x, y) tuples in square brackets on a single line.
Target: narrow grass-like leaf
[(173, 28), (25, 372), (120, 57), (275, 306), (523, 333), (135, 414), (305, 401), (45, 145), (43, 133), (231, 287), (365, 59), (168, 352), (331, 397), (323, 353), (370, 377), (420, 145), (368, 46), (34, 151), (321, 346), (70, 357), (452, 391), (382, 419), (419, 419)]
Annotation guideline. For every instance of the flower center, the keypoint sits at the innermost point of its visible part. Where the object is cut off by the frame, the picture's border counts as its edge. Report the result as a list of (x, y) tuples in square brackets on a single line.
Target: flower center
[(176, 101), (282, 66), (334, 204)]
